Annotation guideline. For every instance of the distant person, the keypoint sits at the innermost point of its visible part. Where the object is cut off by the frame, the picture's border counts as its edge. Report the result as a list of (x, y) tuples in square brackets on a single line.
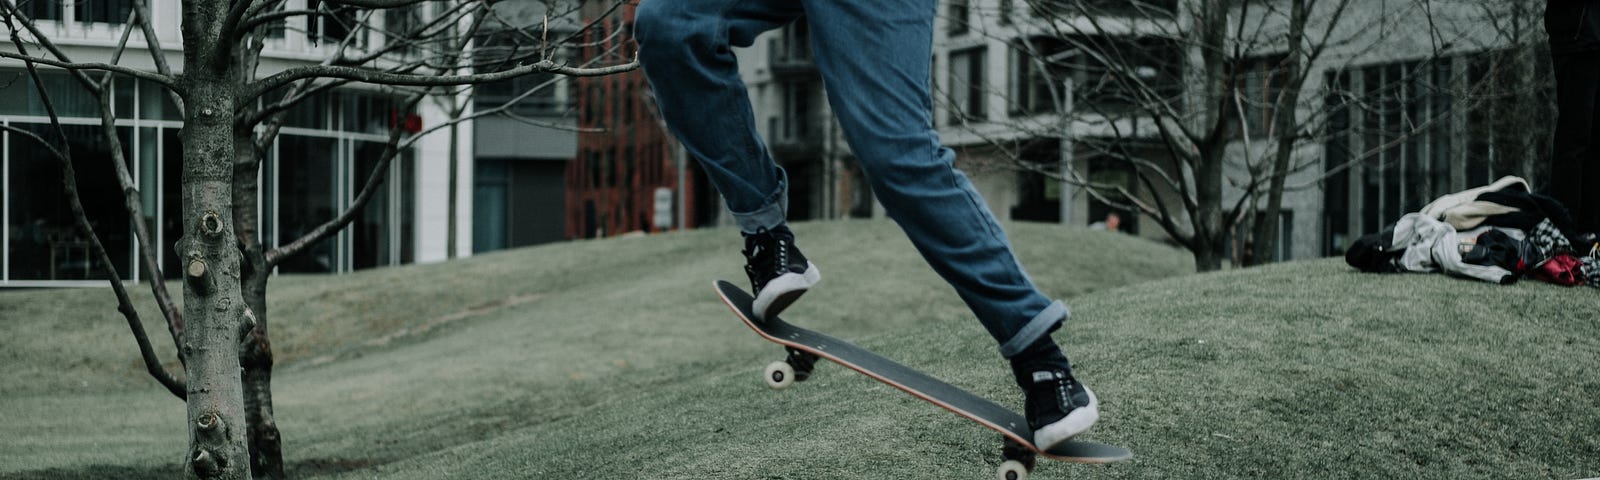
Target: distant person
[(1110, 224), (875, 61), (1574, 30)]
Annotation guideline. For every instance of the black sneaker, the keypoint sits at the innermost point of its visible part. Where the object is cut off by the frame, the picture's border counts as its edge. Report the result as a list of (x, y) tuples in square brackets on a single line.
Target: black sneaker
[(1059, 407), (778, 272)]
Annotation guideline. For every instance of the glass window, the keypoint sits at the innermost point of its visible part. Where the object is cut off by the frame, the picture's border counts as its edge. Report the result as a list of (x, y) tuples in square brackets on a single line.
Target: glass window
[(339, 23), (1260, 82), (8, 231), (967, 94), (269, 197), (1055, 9), (306, 199), (402, 24), (104, 11), (1110, 74), (1336, 190), (370, 229), (40, 9), (155, 103), (408, 206), (45, 241), (1032, 74), (489, 206), (797, 112), (311, 112), (150, 185), (960, 15), (368, 113), (122, 95), (68, 96), (1377, 124), (276, 28), (171, 201), (19, 97)]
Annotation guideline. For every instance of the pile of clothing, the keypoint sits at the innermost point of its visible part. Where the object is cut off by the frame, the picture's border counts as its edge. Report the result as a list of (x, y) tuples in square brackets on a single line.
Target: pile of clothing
[(1497, 233)]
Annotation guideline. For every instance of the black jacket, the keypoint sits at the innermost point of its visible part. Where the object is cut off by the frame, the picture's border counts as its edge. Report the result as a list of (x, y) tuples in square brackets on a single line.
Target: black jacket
[(1573, 25)]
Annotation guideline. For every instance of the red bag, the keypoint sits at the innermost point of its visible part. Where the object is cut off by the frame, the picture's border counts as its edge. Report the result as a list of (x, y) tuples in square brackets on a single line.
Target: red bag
[(1562, 269)]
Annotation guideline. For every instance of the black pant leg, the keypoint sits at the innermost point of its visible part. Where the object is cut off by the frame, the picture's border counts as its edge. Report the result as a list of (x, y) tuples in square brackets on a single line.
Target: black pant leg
[(1574, 165)]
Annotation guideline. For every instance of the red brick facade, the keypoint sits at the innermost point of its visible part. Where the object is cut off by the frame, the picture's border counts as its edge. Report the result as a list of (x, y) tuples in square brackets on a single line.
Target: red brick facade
[(611, 185)]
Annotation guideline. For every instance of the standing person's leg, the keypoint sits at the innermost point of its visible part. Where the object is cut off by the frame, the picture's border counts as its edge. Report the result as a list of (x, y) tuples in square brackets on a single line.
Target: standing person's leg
[(685, 47), (1588, 217), (875, 59), (1575, 162)]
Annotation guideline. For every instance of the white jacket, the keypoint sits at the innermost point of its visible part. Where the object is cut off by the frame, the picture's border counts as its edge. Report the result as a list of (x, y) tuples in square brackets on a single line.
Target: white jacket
[(1432, 246), (1439, 206)]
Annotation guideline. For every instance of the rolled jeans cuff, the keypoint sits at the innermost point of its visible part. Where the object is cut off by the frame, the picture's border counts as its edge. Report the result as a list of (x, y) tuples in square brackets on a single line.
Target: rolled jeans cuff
[(775, 213), (1041, 325)]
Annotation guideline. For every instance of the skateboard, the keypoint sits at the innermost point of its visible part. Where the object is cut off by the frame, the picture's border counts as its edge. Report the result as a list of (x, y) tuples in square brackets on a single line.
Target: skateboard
[(805, 347)]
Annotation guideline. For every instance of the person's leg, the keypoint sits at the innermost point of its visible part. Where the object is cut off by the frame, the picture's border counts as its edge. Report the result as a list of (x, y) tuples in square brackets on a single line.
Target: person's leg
[(875, 59), (1573, 154), (1588, 216), (685, 48)]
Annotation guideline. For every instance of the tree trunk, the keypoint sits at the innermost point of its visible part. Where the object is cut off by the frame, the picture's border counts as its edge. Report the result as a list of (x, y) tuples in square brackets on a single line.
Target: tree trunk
[(1210, 231), (1209, 227), (266, 451), (450, 190), (1207, 257), (255, 351), (1533, 137), (1284, 128), (214, 309)]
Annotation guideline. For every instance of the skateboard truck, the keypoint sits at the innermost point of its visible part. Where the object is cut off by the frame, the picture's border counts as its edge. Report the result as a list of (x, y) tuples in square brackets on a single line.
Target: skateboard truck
[(796, 368)]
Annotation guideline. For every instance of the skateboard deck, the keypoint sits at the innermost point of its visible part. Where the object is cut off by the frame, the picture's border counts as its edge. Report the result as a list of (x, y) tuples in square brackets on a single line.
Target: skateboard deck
[(1012, 426)]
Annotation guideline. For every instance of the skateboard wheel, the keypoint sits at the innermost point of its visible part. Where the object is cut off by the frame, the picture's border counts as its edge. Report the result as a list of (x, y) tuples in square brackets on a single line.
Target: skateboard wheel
[(779, 375), (1012, 470)]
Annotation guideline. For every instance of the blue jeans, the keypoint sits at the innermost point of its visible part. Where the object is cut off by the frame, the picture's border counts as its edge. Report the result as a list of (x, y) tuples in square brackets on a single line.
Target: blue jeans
[(875, 58)]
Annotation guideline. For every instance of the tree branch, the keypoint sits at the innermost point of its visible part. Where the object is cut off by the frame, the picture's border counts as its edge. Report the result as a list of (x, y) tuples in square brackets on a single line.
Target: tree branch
[(379, 4), (376, 77), (131, 199), (259, 21), (164, 80), (70, 187), (153, 44), (230, 24)]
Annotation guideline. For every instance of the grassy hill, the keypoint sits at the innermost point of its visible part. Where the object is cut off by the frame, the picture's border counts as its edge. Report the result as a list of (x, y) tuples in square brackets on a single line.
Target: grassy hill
[(612, 359)]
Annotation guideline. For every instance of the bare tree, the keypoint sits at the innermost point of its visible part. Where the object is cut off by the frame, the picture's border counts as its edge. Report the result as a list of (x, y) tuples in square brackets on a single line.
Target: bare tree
[(1521, 88), (233, 109), (1204, 102)]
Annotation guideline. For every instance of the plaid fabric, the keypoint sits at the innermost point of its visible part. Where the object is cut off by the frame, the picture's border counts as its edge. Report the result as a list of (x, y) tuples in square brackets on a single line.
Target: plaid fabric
[(1591, 270), (1549, 240)]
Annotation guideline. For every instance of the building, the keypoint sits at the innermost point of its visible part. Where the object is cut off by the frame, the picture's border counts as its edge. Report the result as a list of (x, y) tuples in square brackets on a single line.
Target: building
[(629, 175), (326, 149), (521, 158), (1398, 110), (802, 135)]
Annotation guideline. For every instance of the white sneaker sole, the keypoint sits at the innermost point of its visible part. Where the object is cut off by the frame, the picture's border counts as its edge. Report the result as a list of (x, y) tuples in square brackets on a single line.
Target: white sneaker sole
[(784, 290), (1075, 423)]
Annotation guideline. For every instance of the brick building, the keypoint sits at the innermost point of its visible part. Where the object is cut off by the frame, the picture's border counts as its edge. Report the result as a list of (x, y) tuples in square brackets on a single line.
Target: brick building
[(627, 162)]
